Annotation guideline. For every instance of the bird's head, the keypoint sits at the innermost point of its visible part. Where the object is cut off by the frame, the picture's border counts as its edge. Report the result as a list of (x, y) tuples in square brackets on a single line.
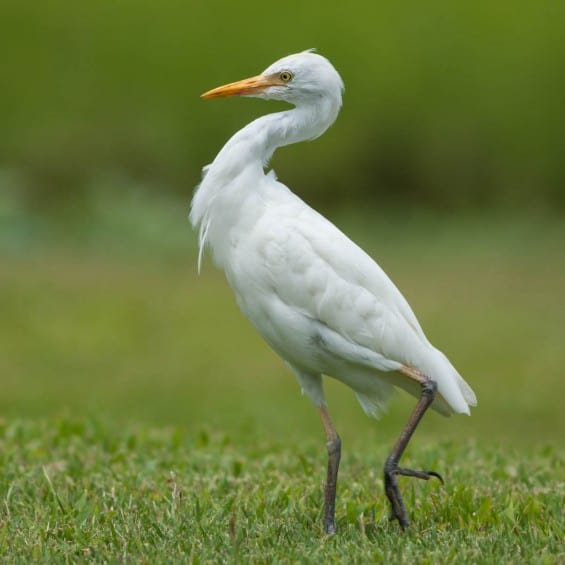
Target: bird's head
[(300, 78)]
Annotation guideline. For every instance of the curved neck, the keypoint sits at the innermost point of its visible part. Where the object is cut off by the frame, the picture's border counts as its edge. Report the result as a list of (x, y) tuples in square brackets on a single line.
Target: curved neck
[(247, 152), (256, 142)]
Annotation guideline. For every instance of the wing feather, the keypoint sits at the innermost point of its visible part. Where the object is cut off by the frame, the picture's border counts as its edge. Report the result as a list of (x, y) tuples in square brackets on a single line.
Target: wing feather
[(316, 268)]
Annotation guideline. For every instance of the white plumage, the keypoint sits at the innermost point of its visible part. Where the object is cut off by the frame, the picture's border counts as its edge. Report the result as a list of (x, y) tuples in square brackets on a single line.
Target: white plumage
[(317, 298)]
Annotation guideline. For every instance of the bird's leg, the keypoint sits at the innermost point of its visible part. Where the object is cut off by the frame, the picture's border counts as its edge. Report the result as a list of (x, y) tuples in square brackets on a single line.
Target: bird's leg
[(333, 444), (392, 470)]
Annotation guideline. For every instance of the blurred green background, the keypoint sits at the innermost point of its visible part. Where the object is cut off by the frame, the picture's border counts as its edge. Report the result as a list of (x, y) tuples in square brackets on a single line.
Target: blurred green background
[(446, 105), (446, 163)]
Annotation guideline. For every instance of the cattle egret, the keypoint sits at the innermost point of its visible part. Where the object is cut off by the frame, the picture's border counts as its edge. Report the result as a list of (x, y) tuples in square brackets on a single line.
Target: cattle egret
[(316, 298)]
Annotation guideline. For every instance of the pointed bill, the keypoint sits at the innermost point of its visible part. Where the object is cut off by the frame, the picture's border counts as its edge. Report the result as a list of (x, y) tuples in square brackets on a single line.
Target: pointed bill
[(245, 87)]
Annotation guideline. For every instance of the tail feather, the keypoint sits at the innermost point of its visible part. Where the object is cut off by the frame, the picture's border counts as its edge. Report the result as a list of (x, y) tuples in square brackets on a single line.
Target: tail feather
[(468, 393), (451, 385)]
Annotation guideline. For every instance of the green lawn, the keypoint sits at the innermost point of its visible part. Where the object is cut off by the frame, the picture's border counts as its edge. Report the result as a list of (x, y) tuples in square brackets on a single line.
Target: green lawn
[(128, 380), (79, 489)]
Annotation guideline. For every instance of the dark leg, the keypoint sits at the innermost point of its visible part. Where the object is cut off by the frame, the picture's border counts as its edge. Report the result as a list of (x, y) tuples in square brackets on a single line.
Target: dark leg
[(334, 454), (392, 470)]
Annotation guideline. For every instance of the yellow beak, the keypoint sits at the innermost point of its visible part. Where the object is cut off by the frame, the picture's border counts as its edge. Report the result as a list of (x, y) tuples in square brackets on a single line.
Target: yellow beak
[(247, 86)]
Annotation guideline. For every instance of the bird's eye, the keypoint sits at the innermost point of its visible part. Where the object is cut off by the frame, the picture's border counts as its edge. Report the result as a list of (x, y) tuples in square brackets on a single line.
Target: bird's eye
[(285, 76)]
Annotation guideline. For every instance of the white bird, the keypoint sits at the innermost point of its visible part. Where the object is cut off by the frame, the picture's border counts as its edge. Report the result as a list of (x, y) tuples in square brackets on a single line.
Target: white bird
[(316, 298)]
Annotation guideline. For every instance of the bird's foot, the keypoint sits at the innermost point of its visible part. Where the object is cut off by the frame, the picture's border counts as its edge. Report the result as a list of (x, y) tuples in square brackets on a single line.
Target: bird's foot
[(425, 475), (391, 472)]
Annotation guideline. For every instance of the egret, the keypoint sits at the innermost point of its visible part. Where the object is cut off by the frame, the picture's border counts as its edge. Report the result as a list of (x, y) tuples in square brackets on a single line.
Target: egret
[(316, 298)]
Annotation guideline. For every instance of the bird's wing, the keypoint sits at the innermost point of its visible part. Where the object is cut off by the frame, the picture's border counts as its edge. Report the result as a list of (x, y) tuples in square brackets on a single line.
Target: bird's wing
[(294, 267), (316, 268)]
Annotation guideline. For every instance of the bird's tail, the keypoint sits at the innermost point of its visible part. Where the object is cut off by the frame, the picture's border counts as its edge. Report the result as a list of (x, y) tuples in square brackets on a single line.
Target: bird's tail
[(456, 394)]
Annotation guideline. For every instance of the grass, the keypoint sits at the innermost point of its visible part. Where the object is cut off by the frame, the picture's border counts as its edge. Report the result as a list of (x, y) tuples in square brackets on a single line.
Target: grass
[(76, 489), (143, 419)]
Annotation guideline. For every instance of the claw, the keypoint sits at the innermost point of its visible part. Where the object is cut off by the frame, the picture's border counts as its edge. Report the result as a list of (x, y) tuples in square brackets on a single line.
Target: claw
[(436, 475), (424, 475)]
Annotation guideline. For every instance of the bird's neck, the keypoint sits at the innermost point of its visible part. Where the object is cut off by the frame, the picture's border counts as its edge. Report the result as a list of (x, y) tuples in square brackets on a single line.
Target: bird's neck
[(235, 173), (255, 144)]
